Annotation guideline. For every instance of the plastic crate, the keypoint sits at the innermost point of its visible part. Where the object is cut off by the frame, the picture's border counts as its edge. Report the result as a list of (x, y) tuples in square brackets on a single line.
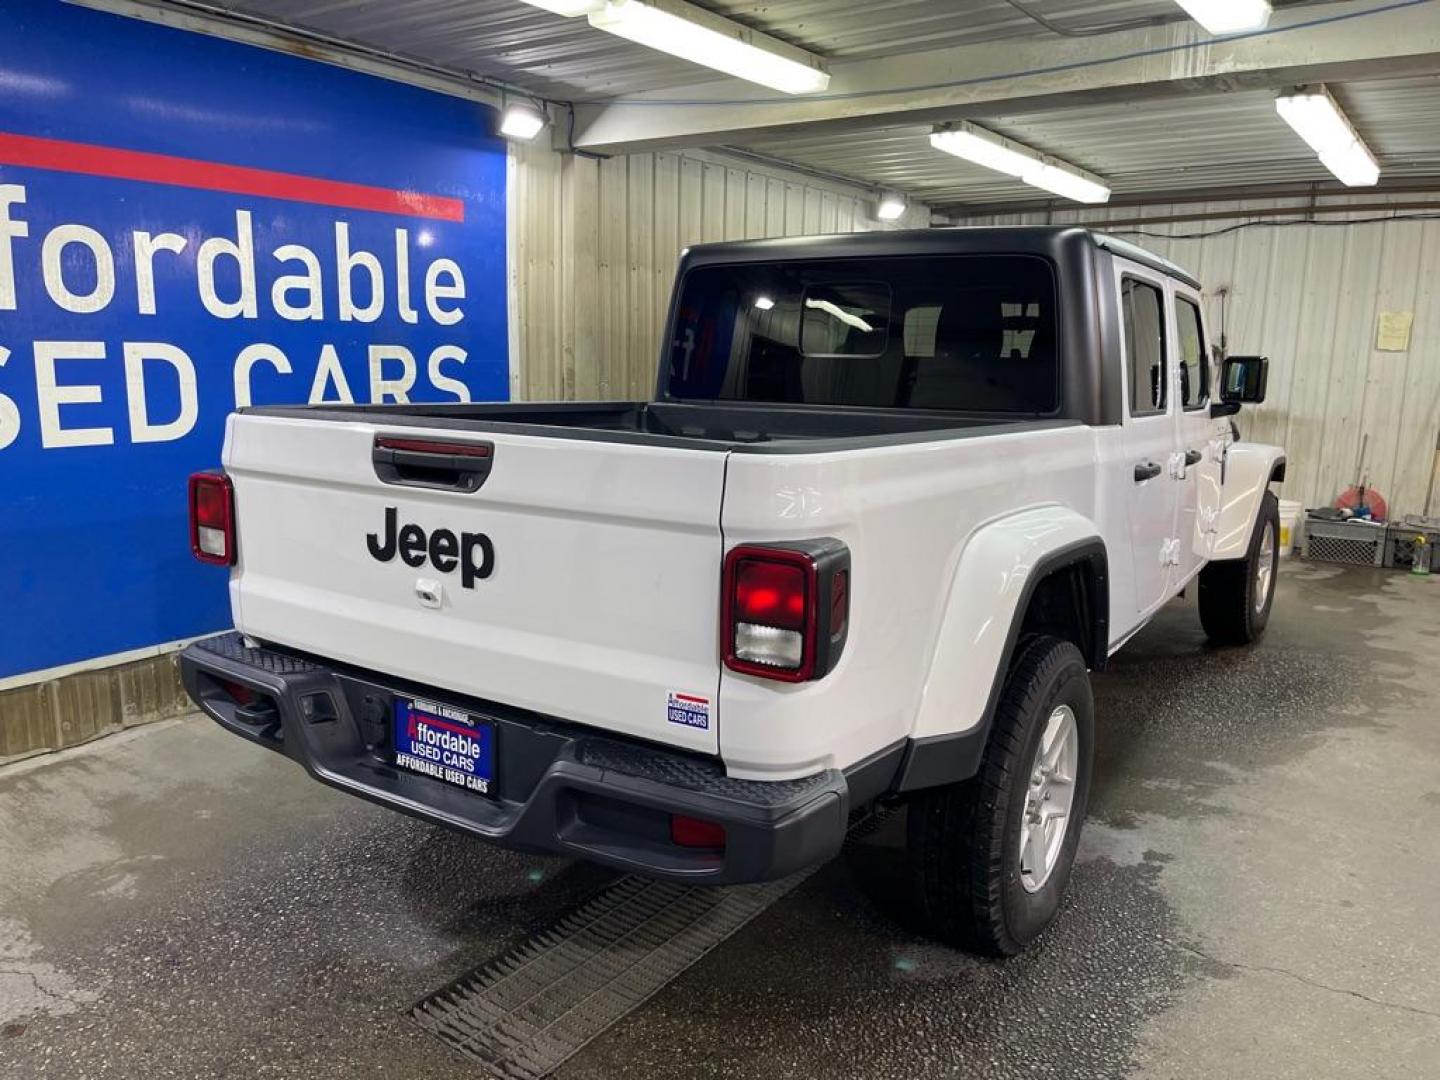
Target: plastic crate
[(1354, 542), (1402, 541)]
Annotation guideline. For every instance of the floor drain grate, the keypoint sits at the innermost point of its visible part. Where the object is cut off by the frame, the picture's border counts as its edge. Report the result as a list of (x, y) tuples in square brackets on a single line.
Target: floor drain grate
[(524, 1014)]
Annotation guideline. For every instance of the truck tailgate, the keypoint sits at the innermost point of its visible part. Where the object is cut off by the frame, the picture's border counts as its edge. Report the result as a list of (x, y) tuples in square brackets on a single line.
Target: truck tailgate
[(603, 592)]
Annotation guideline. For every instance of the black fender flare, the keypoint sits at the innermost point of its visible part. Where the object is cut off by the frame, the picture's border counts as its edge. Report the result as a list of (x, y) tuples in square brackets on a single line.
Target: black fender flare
[(933, 760)]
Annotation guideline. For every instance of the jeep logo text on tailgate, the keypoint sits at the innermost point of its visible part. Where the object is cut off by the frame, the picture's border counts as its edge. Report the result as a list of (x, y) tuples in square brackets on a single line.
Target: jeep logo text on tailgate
[(472, 552)]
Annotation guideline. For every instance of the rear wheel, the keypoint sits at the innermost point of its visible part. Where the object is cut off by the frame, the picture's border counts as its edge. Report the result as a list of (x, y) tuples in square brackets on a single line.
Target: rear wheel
[(1236, 595), (990, 857)]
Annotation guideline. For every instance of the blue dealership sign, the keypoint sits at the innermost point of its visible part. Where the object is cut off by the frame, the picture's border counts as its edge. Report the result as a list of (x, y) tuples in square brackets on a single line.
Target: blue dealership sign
[(188, 225)]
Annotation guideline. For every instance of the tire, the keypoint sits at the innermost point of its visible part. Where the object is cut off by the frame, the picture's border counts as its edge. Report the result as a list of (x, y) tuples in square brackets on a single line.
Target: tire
[(971, 886), (1236, 595)]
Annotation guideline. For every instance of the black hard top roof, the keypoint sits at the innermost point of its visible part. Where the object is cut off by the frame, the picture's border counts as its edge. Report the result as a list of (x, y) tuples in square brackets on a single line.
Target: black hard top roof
[(957, 240)]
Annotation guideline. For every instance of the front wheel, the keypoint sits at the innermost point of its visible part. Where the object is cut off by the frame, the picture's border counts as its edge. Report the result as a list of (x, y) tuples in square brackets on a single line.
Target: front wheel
[(990, 857), (1236, 595)]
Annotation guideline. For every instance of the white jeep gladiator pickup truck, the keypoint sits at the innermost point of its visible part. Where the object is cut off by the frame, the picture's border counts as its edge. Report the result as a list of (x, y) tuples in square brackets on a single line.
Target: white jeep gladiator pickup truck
[(896, 495)]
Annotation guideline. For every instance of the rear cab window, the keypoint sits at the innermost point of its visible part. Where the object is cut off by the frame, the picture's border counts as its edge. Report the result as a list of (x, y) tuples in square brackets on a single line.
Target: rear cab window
[(972, 333)]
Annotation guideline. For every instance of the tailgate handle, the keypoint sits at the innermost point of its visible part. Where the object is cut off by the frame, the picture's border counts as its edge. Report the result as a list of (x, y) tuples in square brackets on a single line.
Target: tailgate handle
[(432, 463)]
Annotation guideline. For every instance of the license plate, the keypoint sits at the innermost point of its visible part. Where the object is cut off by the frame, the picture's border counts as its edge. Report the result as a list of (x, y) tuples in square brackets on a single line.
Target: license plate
[(444, 743)]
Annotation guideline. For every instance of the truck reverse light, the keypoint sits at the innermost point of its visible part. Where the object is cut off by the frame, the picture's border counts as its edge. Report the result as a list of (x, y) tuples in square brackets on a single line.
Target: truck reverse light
[(212, 518), (786, 608), (769, 645)]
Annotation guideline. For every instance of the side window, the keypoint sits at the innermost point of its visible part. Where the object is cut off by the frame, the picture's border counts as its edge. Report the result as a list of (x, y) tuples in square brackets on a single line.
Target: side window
[(1194, 371), (1143, 310)]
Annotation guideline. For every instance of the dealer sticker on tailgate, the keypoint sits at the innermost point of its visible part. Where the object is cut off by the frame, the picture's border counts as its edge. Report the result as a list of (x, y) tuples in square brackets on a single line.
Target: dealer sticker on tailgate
[(688, 709), (448, 744)]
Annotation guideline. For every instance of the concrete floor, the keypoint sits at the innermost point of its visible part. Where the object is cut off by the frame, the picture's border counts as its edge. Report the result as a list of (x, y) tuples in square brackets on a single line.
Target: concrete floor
[(1259, 895)]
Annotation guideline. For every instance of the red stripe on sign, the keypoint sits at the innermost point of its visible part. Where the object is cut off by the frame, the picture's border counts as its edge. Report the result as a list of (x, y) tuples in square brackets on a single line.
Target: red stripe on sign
[(697, 700), (444, 725), (63, 156)]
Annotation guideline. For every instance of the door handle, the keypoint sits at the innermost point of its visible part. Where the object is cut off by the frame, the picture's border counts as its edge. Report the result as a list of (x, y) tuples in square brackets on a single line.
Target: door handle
[(1146, 470), (1192, 457)]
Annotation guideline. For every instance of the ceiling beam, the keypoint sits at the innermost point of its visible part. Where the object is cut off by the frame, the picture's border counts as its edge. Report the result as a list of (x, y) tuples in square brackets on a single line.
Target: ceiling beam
[(1342, 41), (1314, 190), (203, 17), (1377, 210)]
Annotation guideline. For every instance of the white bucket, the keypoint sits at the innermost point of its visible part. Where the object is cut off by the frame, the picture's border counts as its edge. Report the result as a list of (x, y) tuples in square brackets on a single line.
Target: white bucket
[(1291, 514)]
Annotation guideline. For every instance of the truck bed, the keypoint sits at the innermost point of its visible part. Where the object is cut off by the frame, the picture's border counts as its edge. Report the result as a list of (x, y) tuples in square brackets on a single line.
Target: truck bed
[(744, 427)]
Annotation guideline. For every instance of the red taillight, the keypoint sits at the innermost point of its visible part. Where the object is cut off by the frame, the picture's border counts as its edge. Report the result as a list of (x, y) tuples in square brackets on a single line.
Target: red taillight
[(771, 593), (785, 608), (694, 833), (770, 612), (212, 518)]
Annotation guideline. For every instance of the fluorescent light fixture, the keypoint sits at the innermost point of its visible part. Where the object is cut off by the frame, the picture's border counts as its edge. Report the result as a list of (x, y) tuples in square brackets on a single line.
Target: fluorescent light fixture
[(1227, 16), (697, 35), (521, 121), (891, 207), (1317, 119), (764, 303), (975, 144), (1068, 183), (972, 143), (1354, 166), (568, 8)]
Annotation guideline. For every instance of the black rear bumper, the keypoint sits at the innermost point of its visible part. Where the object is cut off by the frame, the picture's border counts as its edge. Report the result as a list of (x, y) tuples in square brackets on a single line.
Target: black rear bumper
[(558, 788)]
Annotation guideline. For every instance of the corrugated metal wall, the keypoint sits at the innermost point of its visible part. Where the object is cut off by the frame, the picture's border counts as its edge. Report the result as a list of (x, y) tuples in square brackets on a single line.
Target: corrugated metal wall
[(593, 248), (1310, 296)]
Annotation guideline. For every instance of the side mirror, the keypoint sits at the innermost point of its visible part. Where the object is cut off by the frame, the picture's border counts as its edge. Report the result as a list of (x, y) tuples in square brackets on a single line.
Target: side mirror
[(1243, 379)]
